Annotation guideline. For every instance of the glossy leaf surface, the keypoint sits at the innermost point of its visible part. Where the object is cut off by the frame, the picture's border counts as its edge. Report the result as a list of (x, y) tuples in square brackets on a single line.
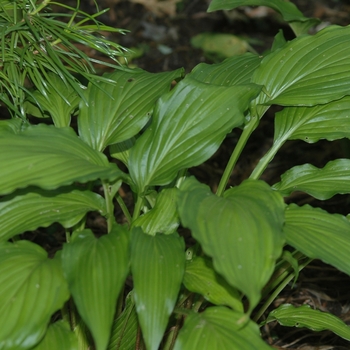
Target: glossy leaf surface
[(305, 316), (49, 157), (157, 265), (233, 71), (321, 183), (58, 337), (96, 270), (317, 73), (32, 288), (118, 111), (219, 328), (183, 133), (200, 277), (241, 232), (26, 210), (319, 235)]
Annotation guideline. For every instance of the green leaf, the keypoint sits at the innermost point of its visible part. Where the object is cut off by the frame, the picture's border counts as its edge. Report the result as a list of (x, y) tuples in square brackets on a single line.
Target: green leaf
[(330, 121), (26, 210), (121, 150), (319, 235), (118, 111), (200, 277), (32, 288), (157, 264), (321, 183), (183, 133), (241, 232), (124, 329), (60, 102), (233, 71), (58, 337), (96, 270), (163, 218), (12, 126), (219, 328), (307, 71), (50, 157), (304, 316)]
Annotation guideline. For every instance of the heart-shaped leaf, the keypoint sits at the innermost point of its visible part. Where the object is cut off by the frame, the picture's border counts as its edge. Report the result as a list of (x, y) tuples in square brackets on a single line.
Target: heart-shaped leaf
[(157, 265), (219, 328), (118, 111), (26, 210), (49, 157), (241, 232), (183, 133), (32, 288), (319, 235), (96, 270)]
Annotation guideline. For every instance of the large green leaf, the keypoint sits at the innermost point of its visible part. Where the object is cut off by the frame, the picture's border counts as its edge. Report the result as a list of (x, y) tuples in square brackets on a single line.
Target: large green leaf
[(318, 234), (163, 217), (307, 71), (26, 210), (305, 316), (124, 329), (200, 277), (32, 288), (58, 337), (157, 265), (188, 126), (241, 232), (49, 157), (96, 270), (233, 71), (118, 111), (219, 328), (330, 121), (322, 183)]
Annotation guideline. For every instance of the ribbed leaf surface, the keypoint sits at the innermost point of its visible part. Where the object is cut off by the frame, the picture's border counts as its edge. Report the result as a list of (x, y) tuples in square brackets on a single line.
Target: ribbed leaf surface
[(118, 111), (241, 232), (32, 288), (183, 132), (233, 71), (305, 316), (58, 337), (219, 328), (322, 183), (96, 270), (319, 235), (200, 277), (157, 264), (49, 157), (26, 210), (308, 70)]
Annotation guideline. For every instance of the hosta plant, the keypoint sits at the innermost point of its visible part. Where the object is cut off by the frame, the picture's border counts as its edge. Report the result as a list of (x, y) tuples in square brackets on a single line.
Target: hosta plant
[(136, 285)]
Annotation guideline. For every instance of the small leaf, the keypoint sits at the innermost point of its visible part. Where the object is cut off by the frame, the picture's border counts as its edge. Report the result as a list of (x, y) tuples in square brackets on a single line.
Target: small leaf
[(200, 277), (12, 126), (307, 71), (32, 288), (321, 183), (305, 316), (241, 232), (118, 111), (163, 218), (233, 71), (319, 235), (26, 210), (219, 328), (183, 133), (50, 157), (157, 264), (58, 337), (96, 270)]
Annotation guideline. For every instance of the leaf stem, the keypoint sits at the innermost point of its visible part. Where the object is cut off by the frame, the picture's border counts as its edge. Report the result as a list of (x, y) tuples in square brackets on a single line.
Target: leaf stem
[(247, 131), (109, 206), (124, 208)]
